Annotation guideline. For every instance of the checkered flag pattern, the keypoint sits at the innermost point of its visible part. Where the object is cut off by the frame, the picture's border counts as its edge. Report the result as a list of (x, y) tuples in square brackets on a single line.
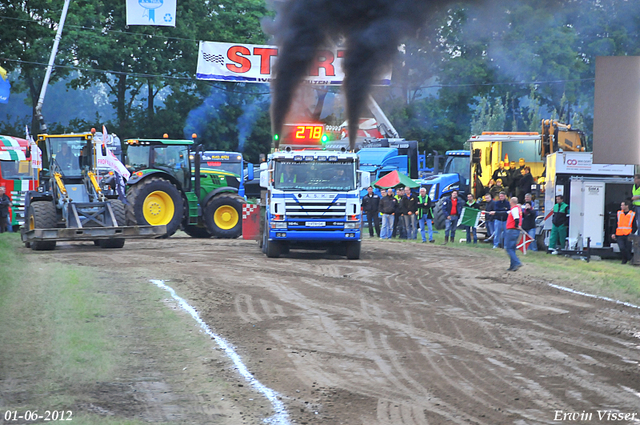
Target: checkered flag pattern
[(219, 59), (247, 209)]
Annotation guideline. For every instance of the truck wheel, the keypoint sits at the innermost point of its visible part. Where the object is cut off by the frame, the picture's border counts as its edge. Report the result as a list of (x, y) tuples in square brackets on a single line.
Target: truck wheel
[(223, 216), (121, 219), (42, 215), (265, 238), (197, 232), (438, 215), (156, 202), (273, 249), (353, 250)]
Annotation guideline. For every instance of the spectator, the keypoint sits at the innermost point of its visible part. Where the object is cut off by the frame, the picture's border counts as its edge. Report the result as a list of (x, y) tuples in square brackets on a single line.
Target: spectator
[(5, 203), (489, 186), (471, 203), (516, 175), (371, 206), (409, 208), (560, 222), (626, 226), (388, 205), (529, 215), (502, 174), (451, 207), (496, 189), (512, 233), (488, 217), (425, 215), (398, 223), (500, 209), (524, 184), (636, 197)]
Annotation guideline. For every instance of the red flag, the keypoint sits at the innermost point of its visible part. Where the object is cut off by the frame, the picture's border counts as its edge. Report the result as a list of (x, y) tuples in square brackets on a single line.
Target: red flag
[(523, 242)]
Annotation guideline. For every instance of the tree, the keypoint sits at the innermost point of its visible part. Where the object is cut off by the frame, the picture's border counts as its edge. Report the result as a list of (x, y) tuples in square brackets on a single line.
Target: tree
[(28, 30)]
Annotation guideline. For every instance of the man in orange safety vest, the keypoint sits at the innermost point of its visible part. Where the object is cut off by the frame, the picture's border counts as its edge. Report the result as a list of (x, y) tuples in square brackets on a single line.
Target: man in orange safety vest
[(626, 226)]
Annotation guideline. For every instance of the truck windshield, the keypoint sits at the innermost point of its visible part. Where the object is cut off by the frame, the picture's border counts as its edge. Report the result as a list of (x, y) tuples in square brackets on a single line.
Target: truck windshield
[(231, 167), (457, 165), (314, 175), (15, 170)]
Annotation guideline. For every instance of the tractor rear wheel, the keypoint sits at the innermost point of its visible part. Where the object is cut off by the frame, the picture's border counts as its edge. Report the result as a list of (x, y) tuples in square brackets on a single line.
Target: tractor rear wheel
[(438, 215), (197, 232), (42, 215), (155, 201), (119, 212), (223, 216)]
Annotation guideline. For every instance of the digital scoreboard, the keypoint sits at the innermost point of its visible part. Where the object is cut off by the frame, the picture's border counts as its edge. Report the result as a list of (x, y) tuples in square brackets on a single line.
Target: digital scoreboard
[(303, 134)]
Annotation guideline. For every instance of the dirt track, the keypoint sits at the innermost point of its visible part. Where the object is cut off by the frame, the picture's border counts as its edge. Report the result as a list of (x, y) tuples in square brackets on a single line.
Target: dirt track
[(410, 334)]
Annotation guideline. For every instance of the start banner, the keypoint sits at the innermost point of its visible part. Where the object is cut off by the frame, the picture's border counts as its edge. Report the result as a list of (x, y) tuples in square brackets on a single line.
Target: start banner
[(252, 63)]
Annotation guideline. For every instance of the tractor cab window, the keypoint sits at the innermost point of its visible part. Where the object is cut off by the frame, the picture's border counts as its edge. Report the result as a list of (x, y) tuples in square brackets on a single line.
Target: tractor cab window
[(458, 165), (65, 154), (173, 159), (137, 158)]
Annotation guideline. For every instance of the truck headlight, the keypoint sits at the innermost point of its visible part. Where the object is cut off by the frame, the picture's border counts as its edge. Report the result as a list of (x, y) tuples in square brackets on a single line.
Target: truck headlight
[(279, 225), (352, 218), (352, 225), (432, 192)]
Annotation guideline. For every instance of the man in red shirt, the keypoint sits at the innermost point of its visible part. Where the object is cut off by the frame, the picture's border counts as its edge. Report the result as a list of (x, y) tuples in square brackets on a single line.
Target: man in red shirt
[(514, 227)]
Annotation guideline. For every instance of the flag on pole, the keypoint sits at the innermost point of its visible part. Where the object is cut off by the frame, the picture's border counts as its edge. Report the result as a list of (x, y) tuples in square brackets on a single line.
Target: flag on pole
[(36, 153), (5, 86), (523, 242), (151, 12), (469, 217), (110, 160)]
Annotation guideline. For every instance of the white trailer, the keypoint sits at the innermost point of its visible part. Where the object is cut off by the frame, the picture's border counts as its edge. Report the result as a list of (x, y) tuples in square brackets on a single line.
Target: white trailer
[(593, 192)]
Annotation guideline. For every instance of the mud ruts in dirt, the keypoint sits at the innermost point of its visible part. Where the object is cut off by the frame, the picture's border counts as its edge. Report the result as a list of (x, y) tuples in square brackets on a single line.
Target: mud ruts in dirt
[(406, 335)]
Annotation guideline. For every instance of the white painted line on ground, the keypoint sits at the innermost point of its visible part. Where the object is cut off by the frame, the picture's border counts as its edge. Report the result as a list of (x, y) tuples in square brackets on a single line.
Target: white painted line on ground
[(281, 417), (562, 288)]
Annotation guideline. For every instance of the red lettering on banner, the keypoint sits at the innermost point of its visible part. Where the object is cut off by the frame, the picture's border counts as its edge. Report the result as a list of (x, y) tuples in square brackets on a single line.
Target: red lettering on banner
[(324, 59), (241, 64), (265, 58)]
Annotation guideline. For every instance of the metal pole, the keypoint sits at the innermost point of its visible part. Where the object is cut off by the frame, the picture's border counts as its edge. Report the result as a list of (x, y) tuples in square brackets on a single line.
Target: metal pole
[(52, 58)]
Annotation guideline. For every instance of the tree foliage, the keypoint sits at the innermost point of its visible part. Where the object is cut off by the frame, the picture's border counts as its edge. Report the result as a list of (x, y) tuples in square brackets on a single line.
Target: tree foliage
[(495, 66)]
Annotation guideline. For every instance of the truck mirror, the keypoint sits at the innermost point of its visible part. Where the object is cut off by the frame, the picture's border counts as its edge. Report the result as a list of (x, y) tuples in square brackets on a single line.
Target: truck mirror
[(365, 179), (249, 172), (264, 178), (264, 166)]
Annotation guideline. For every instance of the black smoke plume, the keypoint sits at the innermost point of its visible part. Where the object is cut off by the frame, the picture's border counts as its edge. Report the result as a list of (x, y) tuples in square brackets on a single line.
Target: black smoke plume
[(372, 30)]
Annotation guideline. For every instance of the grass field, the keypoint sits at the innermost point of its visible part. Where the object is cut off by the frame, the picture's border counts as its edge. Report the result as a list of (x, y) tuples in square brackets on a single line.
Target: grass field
[(606, 278), (77, 340)]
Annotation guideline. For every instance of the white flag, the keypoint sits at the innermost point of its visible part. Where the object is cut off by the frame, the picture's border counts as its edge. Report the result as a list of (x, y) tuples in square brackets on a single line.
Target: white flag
[(110, 160), (36, 153), (151, 12)]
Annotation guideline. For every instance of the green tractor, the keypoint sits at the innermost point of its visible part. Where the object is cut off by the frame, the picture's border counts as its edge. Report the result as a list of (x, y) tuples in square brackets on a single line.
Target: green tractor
[(168, 186)]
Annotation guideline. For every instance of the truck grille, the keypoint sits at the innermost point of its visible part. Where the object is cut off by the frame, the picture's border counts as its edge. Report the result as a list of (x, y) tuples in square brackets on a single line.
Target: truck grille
[(315, 209), (17, 205)]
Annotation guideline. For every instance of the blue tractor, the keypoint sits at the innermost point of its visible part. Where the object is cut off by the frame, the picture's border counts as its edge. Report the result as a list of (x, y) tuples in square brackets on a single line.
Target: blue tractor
[(455, 176)]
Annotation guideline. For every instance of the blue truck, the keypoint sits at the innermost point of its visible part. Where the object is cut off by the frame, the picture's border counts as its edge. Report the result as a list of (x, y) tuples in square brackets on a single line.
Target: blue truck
[(312, 200), (455, 176)]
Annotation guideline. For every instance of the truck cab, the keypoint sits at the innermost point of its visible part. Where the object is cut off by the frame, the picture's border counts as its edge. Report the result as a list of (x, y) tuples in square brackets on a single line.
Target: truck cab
[(312, 200), (16, 175)]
